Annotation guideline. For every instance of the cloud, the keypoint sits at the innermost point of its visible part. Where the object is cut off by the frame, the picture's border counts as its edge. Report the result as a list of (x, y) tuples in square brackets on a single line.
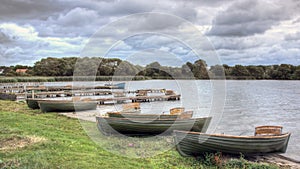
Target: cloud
[(152, 55), (77, 17), (16, 9), (242, 32), (248, 17), (292, 37), (18, 43), (237, 43), (22, 45)]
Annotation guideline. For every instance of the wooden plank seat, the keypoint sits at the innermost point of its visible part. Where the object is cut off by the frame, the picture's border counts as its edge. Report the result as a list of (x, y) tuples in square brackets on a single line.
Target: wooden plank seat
[(268, 130)]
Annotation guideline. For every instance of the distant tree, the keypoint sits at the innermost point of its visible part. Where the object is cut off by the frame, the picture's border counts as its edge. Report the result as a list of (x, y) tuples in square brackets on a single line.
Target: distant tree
[(239, 71), (282, 72), (126, 69), (152, 69), (199, 69), (87, 66), (296, 74), (256, 72), (92, 66), (227, 70), (217, 70), (21, 67)]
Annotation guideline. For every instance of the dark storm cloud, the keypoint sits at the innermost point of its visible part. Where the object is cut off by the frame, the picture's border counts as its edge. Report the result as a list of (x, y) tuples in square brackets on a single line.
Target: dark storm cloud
[(82, 18), (249, 17), (16, 9)]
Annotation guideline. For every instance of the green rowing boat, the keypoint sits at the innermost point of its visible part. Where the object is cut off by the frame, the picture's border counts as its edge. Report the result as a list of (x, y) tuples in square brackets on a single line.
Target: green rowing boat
[(184, 115), (66, 106), (143, 126), (196, 143), (33, 103)]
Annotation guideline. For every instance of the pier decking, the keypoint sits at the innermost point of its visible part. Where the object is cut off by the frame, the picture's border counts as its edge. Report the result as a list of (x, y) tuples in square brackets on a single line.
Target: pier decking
[(109, 94), (139, 99)]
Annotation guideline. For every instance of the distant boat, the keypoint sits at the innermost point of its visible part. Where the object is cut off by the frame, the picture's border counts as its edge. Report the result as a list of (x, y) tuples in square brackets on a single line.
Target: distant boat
[(116, 85), (143, 126), (66, 106), (196, 143)]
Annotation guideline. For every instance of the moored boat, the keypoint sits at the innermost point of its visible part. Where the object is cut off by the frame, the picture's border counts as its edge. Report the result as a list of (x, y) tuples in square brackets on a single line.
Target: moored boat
[(129, 115), (33, 103), (66, 106), (144, 126), (196, 143), (116, 85)]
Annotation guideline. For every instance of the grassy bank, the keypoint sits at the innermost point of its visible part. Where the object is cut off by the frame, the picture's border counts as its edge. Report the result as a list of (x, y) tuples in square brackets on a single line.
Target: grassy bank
[(29, 139)]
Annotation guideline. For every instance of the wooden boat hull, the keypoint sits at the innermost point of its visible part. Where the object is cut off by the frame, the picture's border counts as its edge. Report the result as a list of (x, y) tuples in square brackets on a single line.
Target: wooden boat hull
[(138, 115), (33, 103), (116, 86), (120, 85), (195, 143), (135, 115), (138, 126), (66, 106)]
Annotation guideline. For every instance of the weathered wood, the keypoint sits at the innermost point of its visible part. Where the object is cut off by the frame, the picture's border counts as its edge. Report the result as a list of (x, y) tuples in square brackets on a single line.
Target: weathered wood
[(139, 98), (268, 130), (176, 110)]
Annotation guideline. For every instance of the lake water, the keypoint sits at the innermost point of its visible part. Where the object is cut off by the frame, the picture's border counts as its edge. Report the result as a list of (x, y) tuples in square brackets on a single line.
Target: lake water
[(236, 106)]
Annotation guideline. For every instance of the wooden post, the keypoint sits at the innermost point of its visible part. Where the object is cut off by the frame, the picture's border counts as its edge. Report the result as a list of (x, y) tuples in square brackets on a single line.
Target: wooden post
[(32, 92)]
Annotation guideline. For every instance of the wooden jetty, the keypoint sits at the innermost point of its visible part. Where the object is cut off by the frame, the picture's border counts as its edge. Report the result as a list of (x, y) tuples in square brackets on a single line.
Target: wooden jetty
[(17, 91), (21, 89), (20, 85), (63, 94), (88, 92), (139, 98)]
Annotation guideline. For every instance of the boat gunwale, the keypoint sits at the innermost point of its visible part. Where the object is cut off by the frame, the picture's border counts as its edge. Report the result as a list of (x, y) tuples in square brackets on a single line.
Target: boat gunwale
[(233, 136), (149, 119), (64, 101)]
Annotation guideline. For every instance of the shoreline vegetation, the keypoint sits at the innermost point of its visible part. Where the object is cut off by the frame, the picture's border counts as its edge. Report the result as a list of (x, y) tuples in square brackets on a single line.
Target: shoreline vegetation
[(31, 139), (103, 69)]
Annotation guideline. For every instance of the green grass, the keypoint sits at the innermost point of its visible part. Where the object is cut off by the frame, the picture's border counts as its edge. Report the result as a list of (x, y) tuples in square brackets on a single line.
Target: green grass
[(62, 143)]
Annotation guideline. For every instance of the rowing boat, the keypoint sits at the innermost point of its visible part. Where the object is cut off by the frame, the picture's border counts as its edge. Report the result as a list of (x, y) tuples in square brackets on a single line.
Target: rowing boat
[(33, 103), (196, 143), (144, 126), (134, 115), (66, 106)]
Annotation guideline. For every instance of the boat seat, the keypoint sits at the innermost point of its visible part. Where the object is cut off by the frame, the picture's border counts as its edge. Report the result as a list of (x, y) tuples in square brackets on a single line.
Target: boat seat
[(186, 115), (268, 130), (135, 106)]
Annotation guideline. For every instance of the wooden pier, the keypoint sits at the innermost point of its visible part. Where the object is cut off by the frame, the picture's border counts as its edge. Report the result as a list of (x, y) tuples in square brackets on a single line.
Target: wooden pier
[(63, 94), (138, 99), (95, 92), (20, 91)]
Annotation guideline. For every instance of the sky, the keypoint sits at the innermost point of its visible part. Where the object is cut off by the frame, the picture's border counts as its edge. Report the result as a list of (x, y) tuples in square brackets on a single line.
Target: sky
[(246, 32)]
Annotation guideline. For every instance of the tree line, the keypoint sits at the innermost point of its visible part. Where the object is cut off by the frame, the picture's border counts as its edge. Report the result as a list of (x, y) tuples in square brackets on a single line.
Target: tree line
[(96, 66)]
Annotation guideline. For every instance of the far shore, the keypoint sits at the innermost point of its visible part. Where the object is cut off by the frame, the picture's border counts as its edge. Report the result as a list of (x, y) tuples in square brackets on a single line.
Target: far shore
[(42, 79)]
